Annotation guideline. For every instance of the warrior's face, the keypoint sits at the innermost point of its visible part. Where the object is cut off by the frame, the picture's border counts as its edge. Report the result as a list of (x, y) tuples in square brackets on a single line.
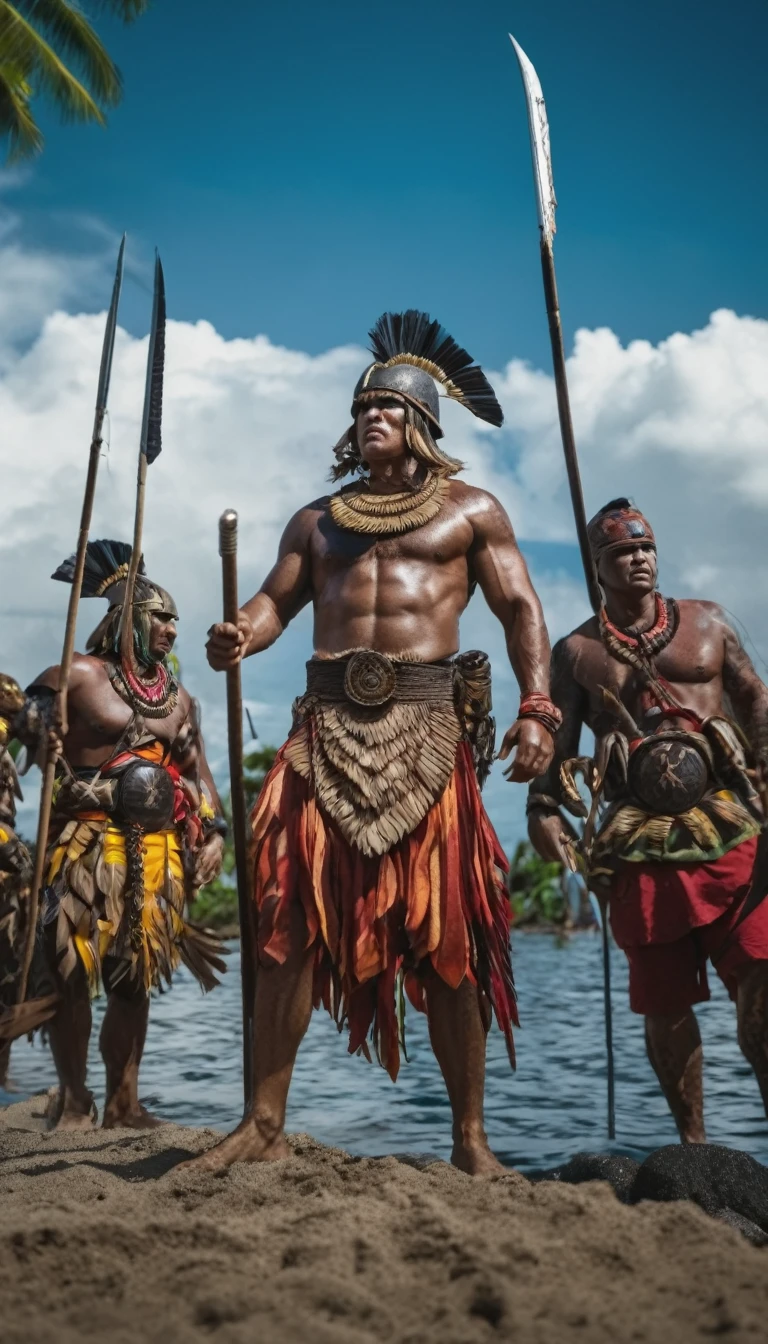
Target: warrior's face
[(380, 430), (629, 569), (162, 634)]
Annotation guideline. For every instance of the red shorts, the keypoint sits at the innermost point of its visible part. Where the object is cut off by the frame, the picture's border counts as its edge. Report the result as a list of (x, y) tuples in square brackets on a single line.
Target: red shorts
[(670, 919)]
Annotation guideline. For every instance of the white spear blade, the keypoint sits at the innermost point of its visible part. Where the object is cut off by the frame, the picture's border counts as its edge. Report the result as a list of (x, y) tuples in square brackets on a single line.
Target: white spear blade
[(540, 151)]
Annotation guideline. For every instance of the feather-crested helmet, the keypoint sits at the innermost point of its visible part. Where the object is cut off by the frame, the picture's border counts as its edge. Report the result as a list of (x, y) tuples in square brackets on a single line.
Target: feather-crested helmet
[(412, 355), (105, 573)]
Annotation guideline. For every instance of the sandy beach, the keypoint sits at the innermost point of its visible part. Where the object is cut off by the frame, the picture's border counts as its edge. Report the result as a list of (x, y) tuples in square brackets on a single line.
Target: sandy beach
[(101, 1238)]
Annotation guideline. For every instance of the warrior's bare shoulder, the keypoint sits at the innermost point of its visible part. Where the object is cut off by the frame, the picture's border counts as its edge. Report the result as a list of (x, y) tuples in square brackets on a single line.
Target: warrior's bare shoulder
[(482, 510), (299, 528), (87, 671), (706, 616), (573, 655)]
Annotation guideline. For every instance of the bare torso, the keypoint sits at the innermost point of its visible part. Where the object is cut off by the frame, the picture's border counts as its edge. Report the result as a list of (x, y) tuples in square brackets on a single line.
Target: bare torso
[(394, 594), (694, 663), (98, 716)]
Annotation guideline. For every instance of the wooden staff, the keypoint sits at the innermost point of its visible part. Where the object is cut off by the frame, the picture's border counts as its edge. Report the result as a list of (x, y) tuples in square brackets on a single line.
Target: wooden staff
[(228, 553), (60, 724)]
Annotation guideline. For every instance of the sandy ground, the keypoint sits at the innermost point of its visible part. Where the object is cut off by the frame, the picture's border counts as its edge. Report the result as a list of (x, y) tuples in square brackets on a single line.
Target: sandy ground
[(102, 1240)]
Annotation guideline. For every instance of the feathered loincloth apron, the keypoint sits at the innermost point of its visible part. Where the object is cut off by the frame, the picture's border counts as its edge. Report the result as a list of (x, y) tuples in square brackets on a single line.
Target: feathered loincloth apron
[(115, 880), (370, 823), (15, 876)]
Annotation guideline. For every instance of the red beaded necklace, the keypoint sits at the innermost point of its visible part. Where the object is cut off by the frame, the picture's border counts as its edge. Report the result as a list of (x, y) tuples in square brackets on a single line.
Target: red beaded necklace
[(155, 699), (627, 644)]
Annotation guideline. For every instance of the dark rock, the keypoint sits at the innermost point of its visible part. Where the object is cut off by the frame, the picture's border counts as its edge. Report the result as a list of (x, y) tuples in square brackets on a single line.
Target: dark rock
[(749, 1230), (619, 1172), (724, 1182), (712, 1176)]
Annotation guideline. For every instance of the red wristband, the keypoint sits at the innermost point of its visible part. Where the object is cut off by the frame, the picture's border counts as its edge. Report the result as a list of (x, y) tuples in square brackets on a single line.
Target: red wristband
[(538, 706)]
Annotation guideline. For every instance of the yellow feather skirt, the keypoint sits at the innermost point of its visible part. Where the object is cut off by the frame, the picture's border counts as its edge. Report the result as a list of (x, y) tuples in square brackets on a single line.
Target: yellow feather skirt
[(89, 898)]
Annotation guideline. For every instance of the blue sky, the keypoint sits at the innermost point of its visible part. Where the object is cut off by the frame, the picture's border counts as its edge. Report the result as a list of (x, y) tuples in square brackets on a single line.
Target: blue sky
[(303, 167), (301, 170)]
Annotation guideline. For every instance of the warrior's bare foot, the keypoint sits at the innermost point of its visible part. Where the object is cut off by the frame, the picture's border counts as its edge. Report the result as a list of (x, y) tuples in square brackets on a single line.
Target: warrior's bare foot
[(64, 1112), (476, 1158), (135, 1117), (250, 1142)]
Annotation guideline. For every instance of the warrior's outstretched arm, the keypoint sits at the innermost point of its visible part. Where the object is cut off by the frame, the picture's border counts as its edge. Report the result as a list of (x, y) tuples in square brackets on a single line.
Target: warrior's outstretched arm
[(284, 592)]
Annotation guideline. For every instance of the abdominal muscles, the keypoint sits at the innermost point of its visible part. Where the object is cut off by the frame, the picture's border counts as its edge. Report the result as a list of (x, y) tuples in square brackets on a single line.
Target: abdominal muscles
[(408, 608)]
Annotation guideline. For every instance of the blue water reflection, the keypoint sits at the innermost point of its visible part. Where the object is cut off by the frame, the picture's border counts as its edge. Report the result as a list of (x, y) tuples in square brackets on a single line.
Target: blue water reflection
[(552, 1107)]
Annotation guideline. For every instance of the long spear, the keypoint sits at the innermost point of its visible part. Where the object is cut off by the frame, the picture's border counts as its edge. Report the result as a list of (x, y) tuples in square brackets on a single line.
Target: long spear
[(546, 204), (150, 446), (60, 709), (228, 553)]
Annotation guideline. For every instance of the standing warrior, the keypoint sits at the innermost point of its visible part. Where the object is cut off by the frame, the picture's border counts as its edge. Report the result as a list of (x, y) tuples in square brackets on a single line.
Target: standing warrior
[(136, 830), (15, 864), (657, 681), (373, 858)]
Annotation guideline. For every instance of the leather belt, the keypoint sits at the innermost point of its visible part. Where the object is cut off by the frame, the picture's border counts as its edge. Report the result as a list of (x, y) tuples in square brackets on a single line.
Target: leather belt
[(371, 679)]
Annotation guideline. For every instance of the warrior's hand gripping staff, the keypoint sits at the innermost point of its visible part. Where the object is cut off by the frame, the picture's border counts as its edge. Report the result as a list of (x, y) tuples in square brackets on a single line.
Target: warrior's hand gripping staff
[(547, 203)]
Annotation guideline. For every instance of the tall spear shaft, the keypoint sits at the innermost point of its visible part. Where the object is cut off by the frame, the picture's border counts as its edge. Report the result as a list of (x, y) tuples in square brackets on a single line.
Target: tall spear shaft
[(150, 446), (228, 553), (546, 204), (65, 667)]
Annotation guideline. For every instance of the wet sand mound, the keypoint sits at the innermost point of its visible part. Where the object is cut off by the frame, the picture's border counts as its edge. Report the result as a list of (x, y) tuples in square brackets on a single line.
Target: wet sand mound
[(102, 1239)]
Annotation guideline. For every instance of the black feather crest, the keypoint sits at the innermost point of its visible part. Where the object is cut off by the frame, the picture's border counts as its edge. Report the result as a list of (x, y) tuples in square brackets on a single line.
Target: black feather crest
[(413, 333), (104, 561)]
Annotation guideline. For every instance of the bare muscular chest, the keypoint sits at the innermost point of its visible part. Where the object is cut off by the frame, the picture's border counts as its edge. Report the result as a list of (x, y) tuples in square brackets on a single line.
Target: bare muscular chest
[(443, 541), (692, 663), (98, 717)]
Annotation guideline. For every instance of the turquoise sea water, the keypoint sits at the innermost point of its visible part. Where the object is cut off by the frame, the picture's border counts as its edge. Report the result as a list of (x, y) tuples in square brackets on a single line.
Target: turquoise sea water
[(552, 1107)]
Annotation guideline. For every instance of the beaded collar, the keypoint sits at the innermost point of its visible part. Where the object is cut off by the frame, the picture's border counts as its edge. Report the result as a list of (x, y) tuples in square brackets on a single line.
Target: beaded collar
[(641, 646), (357, 509), (155, 699)]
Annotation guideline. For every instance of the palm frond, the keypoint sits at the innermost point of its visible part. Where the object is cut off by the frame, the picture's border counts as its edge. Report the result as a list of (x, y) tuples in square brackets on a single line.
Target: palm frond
[(23, 49), (16, 120), (76, 42)]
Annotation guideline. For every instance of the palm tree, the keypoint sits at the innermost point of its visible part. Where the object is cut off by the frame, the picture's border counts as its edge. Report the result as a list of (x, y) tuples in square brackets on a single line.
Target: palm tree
[(49, 48)]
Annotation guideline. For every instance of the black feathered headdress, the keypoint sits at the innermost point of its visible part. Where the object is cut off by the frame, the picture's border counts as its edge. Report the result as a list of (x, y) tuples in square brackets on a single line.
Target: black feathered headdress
[(105, 573), (411, 354), (106, 563)]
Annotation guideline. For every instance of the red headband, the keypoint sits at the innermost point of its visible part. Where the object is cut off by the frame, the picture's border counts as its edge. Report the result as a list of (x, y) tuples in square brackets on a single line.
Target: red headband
[(619, 526)]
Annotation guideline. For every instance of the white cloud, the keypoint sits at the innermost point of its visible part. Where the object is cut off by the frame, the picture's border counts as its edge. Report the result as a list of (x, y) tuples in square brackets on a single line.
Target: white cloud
[(682, 426)]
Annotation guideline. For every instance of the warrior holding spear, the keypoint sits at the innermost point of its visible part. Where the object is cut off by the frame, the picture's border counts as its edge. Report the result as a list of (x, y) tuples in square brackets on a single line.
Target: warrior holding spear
[(679, 716), (375, 868), (136, 827), (15, 869)]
